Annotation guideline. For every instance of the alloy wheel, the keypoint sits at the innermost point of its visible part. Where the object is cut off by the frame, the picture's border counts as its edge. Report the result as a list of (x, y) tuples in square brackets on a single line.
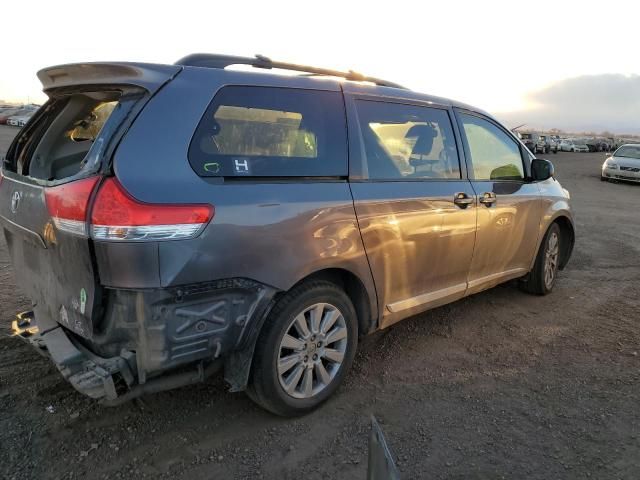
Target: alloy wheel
[(551, 259), (312, 350)]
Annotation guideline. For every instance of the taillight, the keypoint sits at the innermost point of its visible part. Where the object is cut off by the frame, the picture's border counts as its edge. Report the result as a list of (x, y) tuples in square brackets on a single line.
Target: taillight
[(67, 204), (118, 216)]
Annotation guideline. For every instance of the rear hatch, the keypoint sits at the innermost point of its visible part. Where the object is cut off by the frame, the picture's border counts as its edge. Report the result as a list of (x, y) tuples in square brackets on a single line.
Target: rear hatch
[(49, 176)]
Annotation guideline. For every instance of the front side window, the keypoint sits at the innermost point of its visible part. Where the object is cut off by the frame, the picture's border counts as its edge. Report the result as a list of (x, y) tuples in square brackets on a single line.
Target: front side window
[(271, 132), (494, 154), (407, 141)]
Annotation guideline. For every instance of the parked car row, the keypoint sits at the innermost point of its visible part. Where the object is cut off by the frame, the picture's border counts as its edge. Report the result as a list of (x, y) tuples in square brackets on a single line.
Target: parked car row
[(16, 115), (545, 143)]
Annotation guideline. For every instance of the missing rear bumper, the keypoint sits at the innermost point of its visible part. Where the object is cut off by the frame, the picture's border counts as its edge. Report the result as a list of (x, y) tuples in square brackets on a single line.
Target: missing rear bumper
[(157, 340)]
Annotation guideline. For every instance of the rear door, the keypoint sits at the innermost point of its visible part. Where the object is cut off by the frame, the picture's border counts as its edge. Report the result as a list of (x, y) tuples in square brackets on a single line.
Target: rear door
[(415, 209), (509, 206)]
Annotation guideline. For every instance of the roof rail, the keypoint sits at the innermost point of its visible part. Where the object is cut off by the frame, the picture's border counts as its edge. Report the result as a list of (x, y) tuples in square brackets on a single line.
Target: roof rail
[(210, 60)]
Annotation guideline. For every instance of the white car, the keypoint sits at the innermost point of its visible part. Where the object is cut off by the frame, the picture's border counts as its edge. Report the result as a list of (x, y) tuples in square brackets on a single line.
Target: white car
[(572, 146), (19, 120), (624, 164)]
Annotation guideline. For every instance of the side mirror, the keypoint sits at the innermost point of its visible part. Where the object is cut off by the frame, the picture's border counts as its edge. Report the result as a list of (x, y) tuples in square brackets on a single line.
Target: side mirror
[(541, 169)]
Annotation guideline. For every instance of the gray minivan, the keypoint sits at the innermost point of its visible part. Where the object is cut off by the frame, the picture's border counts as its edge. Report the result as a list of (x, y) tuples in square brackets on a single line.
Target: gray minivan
[(169, 221)]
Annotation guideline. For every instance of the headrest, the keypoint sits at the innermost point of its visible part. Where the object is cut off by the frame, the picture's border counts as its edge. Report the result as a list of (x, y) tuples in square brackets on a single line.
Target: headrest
[(424, 135)]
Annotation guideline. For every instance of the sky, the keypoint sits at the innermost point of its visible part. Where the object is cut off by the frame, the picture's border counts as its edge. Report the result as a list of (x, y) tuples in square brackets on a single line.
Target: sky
[(521, 61)]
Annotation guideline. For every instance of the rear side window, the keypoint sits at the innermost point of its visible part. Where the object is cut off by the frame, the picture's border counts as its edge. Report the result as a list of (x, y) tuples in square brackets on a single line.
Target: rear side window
[(407, 141), (271, 132)]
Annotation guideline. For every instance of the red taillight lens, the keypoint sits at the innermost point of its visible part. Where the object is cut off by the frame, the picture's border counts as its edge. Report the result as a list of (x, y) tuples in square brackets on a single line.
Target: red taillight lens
[(116, 215), (67, 204)]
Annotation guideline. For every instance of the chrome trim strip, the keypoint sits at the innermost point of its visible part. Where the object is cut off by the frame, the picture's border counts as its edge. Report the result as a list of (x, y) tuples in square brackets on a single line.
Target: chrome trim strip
[(496, 276), (425, 298)]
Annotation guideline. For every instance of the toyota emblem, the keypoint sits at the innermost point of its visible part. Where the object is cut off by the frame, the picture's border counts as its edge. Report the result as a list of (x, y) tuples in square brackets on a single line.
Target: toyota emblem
[(15, 201)]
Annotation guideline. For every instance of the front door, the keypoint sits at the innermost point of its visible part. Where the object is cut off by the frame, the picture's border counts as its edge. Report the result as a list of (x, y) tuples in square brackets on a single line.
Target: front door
[(415, 209), (509, 207)]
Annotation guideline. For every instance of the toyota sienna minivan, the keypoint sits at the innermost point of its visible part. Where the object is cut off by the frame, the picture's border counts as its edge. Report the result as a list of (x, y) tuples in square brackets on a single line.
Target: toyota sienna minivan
[(169, 221)]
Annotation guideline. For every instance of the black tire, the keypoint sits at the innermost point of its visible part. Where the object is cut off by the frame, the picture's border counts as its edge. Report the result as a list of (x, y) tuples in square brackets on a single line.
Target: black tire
[(535, 282), (265, 388), (603, 178)]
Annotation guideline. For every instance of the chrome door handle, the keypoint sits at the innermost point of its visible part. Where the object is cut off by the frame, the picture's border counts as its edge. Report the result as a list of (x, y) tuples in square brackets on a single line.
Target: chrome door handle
[(462, 200), (488, 199)]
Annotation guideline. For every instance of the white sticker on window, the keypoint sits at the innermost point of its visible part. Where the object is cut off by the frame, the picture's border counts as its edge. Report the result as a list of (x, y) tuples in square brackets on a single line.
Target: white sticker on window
[(241, 166)]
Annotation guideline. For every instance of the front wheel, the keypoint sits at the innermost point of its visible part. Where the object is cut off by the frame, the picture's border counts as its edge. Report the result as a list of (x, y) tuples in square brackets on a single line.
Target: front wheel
[(542, 277), (305, 349)]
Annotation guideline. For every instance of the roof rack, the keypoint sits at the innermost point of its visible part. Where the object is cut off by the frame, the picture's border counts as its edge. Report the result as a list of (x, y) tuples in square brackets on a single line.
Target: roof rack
[(210, 60)]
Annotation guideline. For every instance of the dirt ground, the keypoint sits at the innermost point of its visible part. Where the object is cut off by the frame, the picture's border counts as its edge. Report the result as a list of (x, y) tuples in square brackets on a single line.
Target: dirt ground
[(498, 385)]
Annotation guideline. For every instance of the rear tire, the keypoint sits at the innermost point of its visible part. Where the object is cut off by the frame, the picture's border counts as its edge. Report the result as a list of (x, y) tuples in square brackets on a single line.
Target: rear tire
[(304, 350), (542, 277)]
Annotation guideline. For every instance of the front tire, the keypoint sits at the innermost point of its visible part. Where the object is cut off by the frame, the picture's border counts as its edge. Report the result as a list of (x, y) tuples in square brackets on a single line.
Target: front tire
[(305, 349), (542, 277)]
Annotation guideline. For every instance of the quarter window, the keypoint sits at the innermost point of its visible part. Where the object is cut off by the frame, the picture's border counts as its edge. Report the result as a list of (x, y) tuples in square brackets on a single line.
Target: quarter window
[(271, 132), (407, 141), (494, 155)]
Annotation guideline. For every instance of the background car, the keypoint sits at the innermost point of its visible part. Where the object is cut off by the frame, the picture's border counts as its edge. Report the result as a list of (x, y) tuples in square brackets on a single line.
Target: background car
[(546, 144), (10, 112), (530, 141), (573, 146), (624, 164), (20, 120)]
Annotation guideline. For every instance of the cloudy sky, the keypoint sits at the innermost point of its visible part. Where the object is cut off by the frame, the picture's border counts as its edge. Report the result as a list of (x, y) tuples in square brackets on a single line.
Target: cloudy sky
[(566, 64)]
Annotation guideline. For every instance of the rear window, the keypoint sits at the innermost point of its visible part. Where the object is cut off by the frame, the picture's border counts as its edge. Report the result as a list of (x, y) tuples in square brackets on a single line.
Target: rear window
[(271, 132), (56, 145)]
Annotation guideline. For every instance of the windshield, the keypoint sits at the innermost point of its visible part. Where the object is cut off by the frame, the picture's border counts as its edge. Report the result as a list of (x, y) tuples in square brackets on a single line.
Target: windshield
[(526, 136), (628, 151)]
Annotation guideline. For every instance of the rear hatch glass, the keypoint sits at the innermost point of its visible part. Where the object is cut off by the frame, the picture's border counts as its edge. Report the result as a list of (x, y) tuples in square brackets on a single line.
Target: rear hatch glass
[(65, 145)]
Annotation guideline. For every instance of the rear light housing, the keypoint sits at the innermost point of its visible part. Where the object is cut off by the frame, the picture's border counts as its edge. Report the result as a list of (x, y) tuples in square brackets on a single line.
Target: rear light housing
[(68, 204), (117, 216)]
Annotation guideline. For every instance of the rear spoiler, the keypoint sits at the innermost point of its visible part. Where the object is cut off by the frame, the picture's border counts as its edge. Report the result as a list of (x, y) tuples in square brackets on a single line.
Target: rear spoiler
[(146, 75)]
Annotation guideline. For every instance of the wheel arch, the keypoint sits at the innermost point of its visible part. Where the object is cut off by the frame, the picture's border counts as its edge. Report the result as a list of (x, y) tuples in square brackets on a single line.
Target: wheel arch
[(567, 232), (355, 289)]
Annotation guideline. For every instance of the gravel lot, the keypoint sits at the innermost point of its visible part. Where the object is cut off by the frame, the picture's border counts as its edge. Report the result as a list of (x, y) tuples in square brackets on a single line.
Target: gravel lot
[(498, 385)]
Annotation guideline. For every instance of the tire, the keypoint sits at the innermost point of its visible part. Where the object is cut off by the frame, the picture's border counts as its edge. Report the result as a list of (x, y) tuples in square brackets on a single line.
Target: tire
[(537, 282), (603, 178), (287, 318)]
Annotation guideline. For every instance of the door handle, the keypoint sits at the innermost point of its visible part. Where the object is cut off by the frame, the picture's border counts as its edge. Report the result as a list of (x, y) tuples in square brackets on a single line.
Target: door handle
[(462, 200), (488, 199)]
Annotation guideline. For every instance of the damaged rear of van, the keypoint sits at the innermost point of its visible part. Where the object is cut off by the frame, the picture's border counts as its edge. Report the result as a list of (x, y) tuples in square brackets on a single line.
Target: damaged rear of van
[(87, 252)]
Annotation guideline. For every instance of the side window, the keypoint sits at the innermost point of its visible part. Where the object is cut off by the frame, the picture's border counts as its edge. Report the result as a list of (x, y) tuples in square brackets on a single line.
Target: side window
[(271, 132), (407, 141), (494, 154)]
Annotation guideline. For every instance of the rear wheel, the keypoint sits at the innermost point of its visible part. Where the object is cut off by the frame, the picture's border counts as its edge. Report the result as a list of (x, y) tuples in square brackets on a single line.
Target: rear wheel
[(542, 277), (305, 349)]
